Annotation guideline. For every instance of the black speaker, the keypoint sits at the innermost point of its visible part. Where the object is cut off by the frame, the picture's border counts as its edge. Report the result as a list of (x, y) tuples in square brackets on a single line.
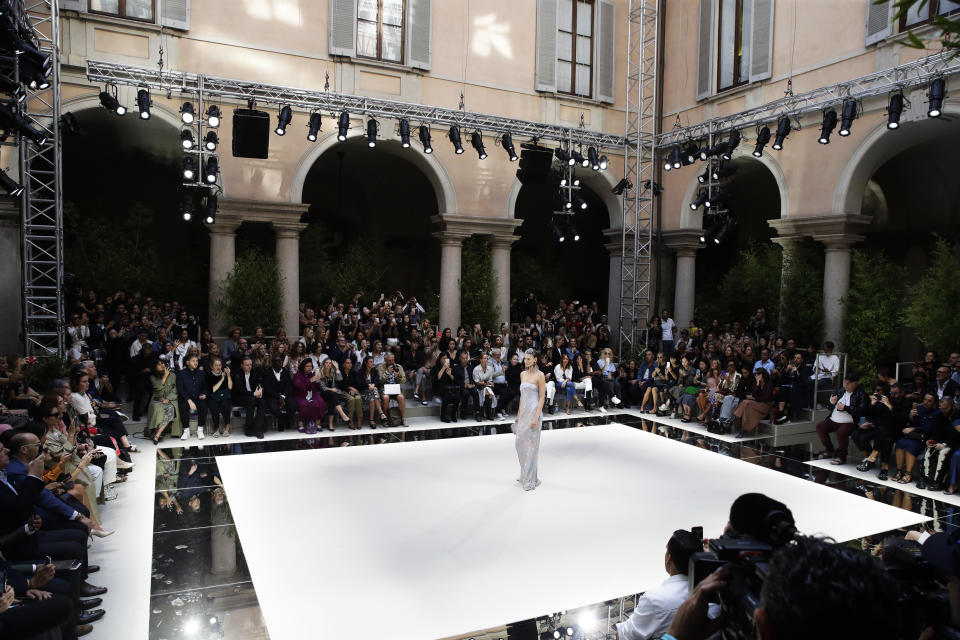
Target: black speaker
[(535, 165), (251, 133)]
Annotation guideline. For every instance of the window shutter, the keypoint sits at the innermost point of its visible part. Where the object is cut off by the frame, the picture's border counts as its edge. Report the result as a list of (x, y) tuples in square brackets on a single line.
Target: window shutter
[(879, 20), (705, 50), (547, 11), (603, 74), (419, 32), (73, 5), (761, 45), (343, 27), (175, 14)]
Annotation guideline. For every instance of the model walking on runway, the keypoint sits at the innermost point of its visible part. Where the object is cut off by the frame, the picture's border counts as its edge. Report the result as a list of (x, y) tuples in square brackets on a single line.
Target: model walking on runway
[(529, 420)]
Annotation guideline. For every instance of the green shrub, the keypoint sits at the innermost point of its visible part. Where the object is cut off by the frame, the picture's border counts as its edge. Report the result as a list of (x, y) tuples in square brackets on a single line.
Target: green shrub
[(252, 295), (933, 309), (478, 284), (874, 314), (752, 282), (802, 301)]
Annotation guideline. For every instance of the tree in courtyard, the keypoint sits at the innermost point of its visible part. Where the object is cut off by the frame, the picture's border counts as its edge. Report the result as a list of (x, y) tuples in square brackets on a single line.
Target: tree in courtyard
[(251, 293)]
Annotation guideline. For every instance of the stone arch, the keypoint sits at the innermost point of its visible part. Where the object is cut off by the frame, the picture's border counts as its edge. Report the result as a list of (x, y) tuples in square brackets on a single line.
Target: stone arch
[(880, 145), (690, 219), (157, 110), (600, 182), (428, 164)]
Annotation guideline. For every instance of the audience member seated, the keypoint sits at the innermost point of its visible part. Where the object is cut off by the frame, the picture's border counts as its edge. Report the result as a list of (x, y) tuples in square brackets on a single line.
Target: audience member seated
[(756, 406), (330, 378), (846, 414), (191, 395), (311, 408), (350, 394), (278, 393), (877, 431), (248, 394), (921, 427), (392, 374), (935, 467), (219, 385)]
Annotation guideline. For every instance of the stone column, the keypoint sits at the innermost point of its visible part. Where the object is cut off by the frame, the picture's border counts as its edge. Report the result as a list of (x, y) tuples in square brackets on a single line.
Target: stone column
[(451, 250), (500, 249), (11, 280), (288, 262), (836, 284), (223, 258), (685, 242)]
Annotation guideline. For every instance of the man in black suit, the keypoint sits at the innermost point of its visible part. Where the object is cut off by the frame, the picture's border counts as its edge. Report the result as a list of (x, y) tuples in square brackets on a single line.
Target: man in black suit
[(248, 393), (278, 394), (942, 385), (463, 379), (141, 366)]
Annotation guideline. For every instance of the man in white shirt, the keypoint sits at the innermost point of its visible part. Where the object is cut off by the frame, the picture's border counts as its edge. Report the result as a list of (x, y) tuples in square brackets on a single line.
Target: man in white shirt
[(668, 328), (827, 364), (655, 608)]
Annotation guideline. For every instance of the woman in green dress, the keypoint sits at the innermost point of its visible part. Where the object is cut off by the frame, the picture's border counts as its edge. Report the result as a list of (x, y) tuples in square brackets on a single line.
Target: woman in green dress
[(163, 406)]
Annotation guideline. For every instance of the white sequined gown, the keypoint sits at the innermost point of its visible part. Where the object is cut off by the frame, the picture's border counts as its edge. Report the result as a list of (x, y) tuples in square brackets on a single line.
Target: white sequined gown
[(528, 440)]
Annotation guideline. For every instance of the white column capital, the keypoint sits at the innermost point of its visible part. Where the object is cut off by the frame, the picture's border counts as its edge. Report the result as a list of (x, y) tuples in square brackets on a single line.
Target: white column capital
[(839, 242), (686, 242), (503, 241), (288, 229), (451, 239), (223, 227)]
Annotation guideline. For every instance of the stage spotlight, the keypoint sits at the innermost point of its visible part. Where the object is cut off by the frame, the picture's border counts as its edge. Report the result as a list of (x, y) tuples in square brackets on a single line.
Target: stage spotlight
[(724, 231), (938, 91), (708, 234), (672, 160), (556, 634), (717, 149), (594, 158), (342, 125), (313, 126), (604, 163), (701, 199), (211, 208), (10, 185), (371, 133), (109, 101), (829, 124), (186, 139), (655, 187), (558, 177), (211, 141), (690, 154), (763, 137), (35, 66), (575, 234), (576, 181), (579, 159), (143, 104), (506, 141), (783, 130), (11, 122), (702, 178), (565, 200), (623, 185), (211, 170), (186, 207), (563, 156), (189, 171), (454, 135), (186, 113), (283, 119), (13, 88), (476, 141), (557, 233), (724, 170), (894, 110), (404, 127), (849, 115), (425, 138), (213, 116), (588, 621), (732, 143), (580, 202), (570, 631)]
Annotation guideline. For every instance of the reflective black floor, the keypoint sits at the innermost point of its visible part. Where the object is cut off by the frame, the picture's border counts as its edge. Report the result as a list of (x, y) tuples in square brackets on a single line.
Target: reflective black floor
[(201, 586)]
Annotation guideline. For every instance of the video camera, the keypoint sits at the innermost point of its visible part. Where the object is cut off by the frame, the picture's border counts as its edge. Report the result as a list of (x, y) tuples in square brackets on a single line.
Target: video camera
[(745, 554), (923, 600)]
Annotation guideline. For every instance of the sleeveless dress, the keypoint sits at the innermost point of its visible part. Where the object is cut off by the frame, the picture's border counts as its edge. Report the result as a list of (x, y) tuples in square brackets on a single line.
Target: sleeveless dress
[(527, 439)]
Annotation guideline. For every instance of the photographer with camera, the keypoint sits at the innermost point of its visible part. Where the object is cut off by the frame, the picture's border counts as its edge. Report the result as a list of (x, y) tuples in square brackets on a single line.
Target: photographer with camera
[(773, 584), (656, 607)]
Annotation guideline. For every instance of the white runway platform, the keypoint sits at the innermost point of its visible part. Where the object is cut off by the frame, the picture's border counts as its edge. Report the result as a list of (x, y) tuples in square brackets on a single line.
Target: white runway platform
[(432, 539)]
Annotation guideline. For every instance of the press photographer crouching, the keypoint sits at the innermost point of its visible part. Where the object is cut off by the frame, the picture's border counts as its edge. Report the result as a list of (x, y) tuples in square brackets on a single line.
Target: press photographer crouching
[(774, 584)]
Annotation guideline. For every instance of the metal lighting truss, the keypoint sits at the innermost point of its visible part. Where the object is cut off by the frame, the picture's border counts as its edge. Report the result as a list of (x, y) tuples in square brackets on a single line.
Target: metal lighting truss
[(639, 168), (318, 100), (200, 153), (906, 76), (42, 199)]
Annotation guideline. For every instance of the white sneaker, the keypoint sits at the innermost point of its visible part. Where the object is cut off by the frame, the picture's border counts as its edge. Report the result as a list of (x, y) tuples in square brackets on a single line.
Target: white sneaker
[(664, 406), (186, 434), (603, 409), (123, 464), (199, 433), (615, 400)]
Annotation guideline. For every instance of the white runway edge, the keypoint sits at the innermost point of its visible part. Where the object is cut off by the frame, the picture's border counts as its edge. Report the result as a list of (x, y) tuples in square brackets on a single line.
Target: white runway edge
[(433, 539)]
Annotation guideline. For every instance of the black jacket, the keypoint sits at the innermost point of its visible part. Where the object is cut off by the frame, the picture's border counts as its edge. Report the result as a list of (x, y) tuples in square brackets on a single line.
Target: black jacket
[(239, 385), (859, 402), (462, 375), (273, 388)]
